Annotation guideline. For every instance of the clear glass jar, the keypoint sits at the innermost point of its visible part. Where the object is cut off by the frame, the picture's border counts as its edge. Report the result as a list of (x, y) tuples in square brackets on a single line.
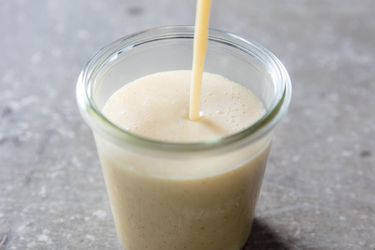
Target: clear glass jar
[(197, 196)]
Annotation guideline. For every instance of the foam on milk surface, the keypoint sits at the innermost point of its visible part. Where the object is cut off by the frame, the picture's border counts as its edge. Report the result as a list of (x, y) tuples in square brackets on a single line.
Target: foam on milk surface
[(157, 105)]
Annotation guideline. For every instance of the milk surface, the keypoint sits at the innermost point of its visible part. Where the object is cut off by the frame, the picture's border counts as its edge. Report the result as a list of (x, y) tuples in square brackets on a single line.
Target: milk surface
[(156, 106)]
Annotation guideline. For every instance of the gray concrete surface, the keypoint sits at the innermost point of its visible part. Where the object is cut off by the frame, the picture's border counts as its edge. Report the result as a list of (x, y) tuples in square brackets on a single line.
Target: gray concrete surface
[(320, 182)]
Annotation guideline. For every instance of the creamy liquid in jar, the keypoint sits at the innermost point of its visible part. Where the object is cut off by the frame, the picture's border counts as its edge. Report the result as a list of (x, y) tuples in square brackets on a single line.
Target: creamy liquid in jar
[(202, 203)]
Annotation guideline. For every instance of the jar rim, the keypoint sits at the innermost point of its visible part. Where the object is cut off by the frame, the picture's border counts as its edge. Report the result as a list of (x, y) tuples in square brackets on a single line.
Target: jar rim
[(98, 121)]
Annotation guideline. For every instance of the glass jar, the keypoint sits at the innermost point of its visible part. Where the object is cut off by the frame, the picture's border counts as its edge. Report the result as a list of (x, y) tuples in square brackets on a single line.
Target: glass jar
[(197, 196)]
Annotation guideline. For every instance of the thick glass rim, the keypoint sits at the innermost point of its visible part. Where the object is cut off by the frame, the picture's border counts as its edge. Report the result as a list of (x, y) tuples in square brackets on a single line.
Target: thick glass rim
[(99, 122)]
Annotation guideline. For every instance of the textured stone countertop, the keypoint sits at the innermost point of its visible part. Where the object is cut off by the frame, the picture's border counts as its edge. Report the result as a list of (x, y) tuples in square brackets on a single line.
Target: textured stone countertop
[(319, 188)]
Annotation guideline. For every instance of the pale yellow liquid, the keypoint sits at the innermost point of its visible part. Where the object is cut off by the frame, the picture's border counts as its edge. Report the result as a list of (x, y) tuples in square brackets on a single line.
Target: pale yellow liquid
[(199, 56), (200, 202)]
